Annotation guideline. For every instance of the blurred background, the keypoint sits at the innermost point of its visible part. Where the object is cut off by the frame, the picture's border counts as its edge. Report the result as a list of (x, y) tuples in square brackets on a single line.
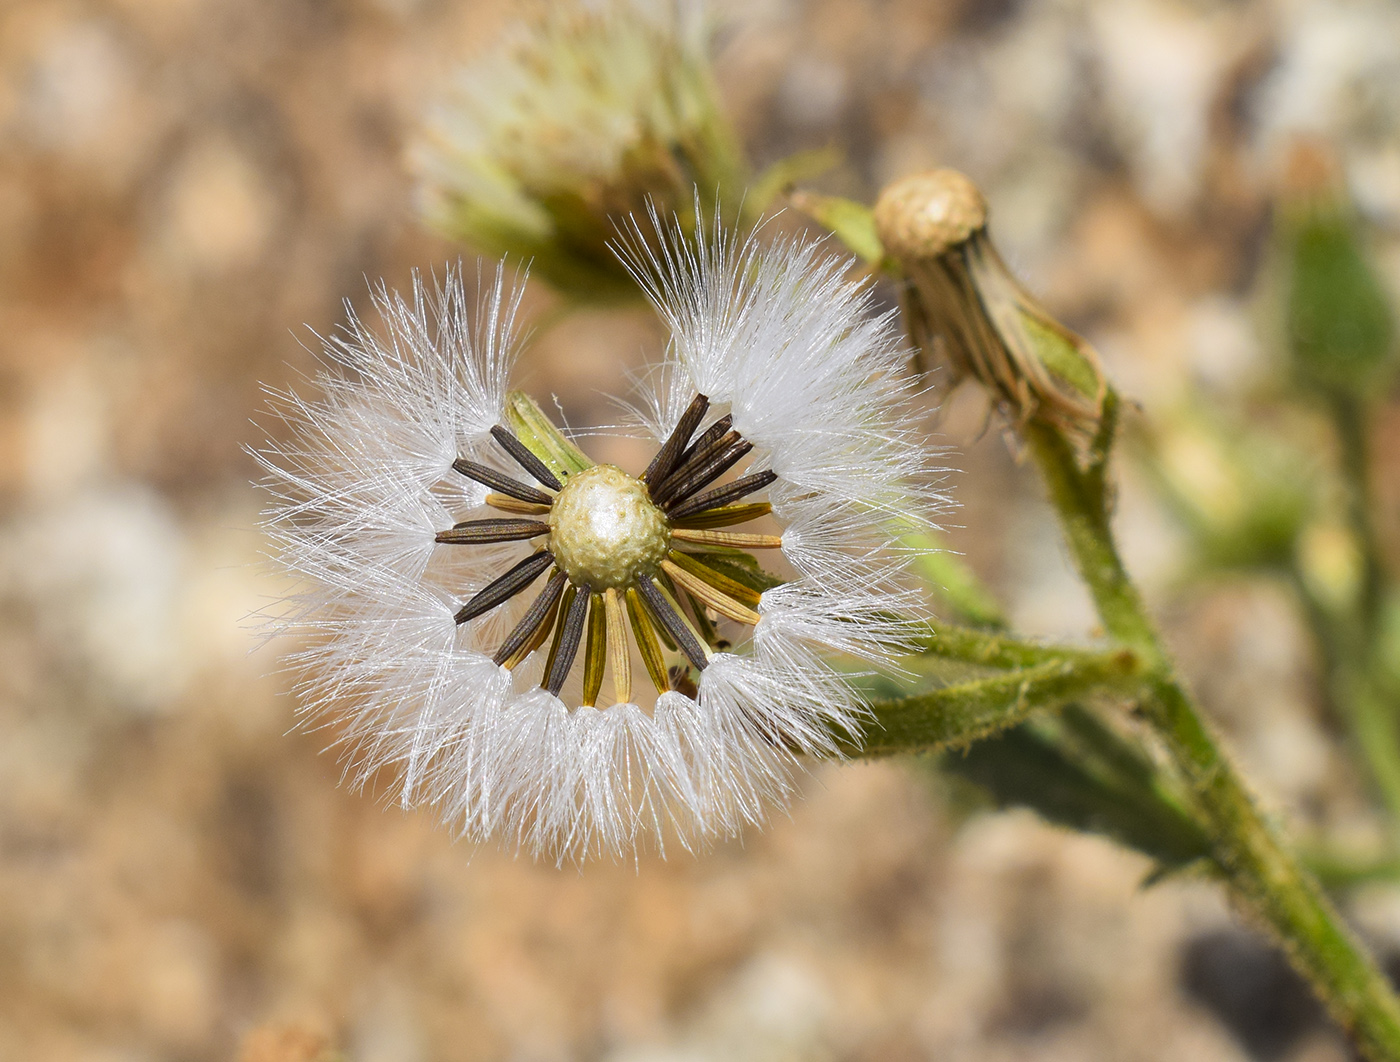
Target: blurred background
[(189, 188)]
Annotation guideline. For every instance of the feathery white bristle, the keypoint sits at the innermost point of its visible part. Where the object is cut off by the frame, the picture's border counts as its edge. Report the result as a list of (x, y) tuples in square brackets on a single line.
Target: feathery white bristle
[(361, 479)]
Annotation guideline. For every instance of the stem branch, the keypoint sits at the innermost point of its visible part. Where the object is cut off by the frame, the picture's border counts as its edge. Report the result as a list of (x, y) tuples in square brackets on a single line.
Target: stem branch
[(990, 649), (957, 715), (1351, 419), (1259, 867)]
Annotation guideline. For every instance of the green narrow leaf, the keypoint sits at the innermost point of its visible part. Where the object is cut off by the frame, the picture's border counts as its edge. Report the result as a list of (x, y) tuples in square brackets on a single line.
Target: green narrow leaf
[(546, 441), (992, 649), (1076, 772), (957, 715), (783, 174), (851, 222)]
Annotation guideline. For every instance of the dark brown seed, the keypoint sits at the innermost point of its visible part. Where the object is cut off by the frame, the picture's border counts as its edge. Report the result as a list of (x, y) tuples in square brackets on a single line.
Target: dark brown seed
[(507, 586), (682, 486), (572, 633), (707, 439), (570, 592), (500, 481), (675, 626), (667, 457), (695, 458), (481, 532), (713, 499), (535, 615), (724, 516), (525, 458), (539, 638)]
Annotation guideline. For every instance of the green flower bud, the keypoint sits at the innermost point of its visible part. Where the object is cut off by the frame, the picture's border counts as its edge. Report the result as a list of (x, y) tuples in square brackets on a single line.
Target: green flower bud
[(582, 117), (1340, 329)]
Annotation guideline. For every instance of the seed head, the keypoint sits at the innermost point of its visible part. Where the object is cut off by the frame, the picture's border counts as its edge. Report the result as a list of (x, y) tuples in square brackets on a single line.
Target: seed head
[(927, 215), (605, 531), (574, 657)]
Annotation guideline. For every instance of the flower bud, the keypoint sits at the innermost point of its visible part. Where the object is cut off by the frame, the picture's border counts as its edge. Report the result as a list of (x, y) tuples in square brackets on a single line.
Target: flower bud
[(1340, 331), (584, 116), (964, 302)]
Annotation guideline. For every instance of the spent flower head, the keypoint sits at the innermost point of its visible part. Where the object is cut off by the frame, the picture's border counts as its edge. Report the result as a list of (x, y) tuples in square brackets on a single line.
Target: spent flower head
[(588, 113), (965, 303), (574, 657)]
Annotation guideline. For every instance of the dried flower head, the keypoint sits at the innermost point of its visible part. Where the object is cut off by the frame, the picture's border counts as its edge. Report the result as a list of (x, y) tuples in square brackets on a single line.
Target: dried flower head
[(966, 304), (477, 590), (587, 114)]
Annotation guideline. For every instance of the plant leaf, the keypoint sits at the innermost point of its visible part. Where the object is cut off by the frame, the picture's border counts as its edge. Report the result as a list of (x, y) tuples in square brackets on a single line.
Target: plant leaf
[(852, 223)]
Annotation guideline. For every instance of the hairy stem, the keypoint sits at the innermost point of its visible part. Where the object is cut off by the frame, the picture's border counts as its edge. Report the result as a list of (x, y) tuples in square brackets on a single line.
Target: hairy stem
[(1260, 869), (990, 649), (955, 716), (1351, 419), (1351, 693)]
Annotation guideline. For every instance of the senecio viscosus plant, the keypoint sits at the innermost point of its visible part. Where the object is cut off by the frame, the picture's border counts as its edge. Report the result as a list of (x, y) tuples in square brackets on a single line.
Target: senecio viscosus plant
[(580, 660)]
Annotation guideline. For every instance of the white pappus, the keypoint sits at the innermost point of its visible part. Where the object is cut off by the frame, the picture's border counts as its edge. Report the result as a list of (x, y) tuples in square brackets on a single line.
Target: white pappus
[(421, 505)]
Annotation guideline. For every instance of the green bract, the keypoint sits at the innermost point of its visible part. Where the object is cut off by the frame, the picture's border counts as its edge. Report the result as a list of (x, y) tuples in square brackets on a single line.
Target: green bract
[(582, 117), (1340, 331)]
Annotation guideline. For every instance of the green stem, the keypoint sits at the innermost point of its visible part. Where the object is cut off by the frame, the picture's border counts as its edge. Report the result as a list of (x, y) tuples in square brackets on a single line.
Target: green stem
[(1375, 731), (1351, 420), (993, 650), (1259, 867), (1352, 692), (955, 716)]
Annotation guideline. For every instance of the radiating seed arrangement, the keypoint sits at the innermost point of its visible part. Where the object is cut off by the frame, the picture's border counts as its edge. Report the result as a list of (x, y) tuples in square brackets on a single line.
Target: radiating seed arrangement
[(448, 540), (639, 553)]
